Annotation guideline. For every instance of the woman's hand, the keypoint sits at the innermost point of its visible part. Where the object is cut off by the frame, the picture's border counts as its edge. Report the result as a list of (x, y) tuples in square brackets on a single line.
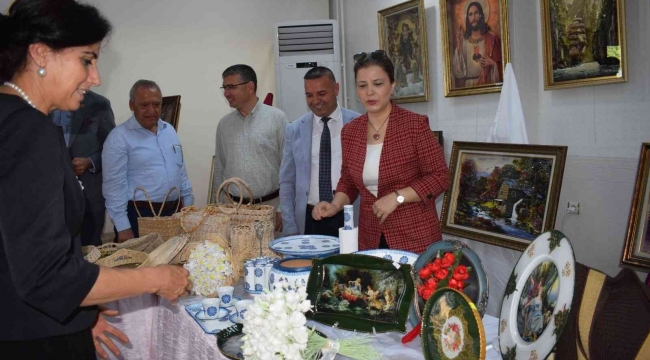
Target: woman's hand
[(101, 328), (324, 209), (385, 206), (175, 282)]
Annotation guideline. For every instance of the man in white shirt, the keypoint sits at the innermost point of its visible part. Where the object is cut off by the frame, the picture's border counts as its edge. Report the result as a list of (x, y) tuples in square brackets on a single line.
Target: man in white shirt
[(311, 162)]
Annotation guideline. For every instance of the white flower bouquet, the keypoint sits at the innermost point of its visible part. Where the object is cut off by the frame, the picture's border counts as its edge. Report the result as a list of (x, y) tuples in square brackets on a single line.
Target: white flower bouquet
[(274, 328), (209, 268)]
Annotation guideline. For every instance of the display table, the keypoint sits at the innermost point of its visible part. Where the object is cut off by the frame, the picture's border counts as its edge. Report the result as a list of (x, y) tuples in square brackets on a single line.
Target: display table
[(158, 329)]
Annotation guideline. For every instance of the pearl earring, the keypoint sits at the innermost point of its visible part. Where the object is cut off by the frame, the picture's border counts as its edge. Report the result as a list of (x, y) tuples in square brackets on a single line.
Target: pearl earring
[(41, 72)]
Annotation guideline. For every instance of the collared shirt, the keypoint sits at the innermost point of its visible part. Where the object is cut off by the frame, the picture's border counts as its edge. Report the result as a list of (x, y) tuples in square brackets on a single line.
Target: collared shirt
[(250, 148), (133, 156), (335, 125), (62, 119)]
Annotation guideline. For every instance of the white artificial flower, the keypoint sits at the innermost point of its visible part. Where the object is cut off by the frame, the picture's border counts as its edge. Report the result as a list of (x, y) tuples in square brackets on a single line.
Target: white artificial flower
[(297, 319), (208, 267)]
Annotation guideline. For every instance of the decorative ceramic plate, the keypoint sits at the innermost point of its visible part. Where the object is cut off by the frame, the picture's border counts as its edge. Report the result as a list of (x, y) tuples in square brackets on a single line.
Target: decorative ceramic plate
[(398, 256), (307, 246), (537, 299), (234, 318), (209, 326), (452, 327), (360, 292), (477, 288)]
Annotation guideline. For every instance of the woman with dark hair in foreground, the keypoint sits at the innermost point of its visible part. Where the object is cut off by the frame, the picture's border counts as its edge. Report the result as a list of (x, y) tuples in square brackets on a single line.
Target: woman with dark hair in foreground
[(48, 60)]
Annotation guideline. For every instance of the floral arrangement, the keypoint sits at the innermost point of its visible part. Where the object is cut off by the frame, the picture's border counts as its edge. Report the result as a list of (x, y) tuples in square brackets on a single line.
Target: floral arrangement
[(209, 268), (444, 271), (275, 328)]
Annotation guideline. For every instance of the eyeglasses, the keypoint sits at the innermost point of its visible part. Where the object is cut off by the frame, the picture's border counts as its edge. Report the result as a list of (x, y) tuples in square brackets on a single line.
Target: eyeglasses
[(232, 86), (363, 56)]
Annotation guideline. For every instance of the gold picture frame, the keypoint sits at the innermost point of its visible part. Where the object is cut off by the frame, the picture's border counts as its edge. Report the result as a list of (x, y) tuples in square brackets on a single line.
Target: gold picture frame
[(210, 188), (590, 50), (636, 250), (403, 36), (503, 194), (489, 43), (171, 110)]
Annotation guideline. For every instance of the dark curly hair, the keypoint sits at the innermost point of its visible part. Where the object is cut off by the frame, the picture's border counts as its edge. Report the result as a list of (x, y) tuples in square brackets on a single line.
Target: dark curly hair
[(58, 24)]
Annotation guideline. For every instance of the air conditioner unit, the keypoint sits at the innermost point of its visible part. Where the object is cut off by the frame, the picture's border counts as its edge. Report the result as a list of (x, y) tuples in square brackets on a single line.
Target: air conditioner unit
[(300, 46)]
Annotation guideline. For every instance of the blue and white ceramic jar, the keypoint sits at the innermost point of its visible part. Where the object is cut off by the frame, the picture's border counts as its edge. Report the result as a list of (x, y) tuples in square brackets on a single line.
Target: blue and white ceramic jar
[(294, 272)]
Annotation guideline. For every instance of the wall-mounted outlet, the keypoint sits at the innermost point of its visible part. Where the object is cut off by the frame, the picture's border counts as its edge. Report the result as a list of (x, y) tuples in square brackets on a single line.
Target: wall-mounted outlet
[(573, 207)]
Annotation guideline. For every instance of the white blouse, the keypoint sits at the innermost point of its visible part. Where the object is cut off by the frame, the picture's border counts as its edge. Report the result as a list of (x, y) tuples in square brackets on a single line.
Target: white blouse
[(371, 168)]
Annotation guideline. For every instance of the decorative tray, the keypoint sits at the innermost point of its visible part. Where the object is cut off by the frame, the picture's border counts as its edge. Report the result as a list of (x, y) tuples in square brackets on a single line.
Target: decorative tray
[(209, 326), (307, 246)]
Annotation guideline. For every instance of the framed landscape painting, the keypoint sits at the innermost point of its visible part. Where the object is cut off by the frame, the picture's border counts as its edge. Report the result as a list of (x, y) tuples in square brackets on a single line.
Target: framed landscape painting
[(403, 36), (475, 45), (636, 251), (503, 194), (584, 43), (171, 109)]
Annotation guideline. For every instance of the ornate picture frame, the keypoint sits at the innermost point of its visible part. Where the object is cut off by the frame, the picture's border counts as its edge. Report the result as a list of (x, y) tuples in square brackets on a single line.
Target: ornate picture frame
[(403, 36), (636, 250), (474, 57), (503, 194), (360, 293), (171, 110), (584, 43)]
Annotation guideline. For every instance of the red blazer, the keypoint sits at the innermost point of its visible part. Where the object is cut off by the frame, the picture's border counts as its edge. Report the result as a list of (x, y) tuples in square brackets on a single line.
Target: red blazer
[(411, 156)]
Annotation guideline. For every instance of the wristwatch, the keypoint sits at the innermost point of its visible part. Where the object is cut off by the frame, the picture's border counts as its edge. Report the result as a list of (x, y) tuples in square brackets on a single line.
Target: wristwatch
[(400, 198)]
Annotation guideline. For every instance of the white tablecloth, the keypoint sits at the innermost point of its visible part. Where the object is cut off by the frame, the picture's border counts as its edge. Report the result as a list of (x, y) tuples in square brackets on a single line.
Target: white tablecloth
[(160, 330)]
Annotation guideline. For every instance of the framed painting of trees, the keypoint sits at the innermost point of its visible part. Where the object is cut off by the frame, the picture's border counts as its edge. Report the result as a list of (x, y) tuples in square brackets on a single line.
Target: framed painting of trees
[(584, 43), (503, 194)]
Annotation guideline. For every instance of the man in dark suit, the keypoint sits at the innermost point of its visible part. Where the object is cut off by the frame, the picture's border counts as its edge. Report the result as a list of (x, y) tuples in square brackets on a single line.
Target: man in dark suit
[(85, 131)]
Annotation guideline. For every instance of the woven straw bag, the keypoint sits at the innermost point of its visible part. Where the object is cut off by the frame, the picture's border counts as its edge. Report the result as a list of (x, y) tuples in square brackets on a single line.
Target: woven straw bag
[(252, 240), (123, 257), (166, 226), (239, 213), (91, 253), (199, 223)]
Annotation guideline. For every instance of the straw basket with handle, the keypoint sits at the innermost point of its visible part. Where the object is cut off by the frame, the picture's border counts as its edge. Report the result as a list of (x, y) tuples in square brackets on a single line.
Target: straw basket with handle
[(166, 226), (199, 223), (238, 212)]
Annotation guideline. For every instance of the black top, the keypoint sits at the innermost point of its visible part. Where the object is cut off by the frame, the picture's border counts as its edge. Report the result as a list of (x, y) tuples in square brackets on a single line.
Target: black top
[(43, 276)]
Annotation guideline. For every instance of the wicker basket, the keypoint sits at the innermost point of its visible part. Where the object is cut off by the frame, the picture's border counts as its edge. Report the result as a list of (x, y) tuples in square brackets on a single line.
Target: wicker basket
[(239, 213), (123, 257), (108, 249), (166, 252), (250, 241), (166, 226), (200, 223)]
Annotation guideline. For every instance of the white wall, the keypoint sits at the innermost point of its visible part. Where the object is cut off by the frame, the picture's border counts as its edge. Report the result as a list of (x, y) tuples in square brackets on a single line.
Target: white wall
[(603, 126)]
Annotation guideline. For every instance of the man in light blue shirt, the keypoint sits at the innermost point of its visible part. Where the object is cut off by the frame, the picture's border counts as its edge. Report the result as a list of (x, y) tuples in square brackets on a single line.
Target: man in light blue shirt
[(143, 151)]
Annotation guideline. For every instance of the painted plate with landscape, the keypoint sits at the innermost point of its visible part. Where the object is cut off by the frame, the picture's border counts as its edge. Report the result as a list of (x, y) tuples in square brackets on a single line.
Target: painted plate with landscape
[(451, 327), (538, 297)]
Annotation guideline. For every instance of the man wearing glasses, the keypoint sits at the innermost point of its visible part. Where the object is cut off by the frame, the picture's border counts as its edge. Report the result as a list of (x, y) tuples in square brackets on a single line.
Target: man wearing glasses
[(249, 141)]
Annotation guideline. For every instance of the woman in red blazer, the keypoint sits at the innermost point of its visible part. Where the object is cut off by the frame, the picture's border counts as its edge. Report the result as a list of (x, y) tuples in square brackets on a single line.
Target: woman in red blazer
[(391, 159)]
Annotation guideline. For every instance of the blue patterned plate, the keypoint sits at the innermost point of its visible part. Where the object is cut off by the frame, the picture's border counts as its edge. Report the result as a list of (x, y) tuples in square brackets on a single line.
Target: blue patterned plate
[(398, 256), (209, 326), (477, 288), (306, 246)]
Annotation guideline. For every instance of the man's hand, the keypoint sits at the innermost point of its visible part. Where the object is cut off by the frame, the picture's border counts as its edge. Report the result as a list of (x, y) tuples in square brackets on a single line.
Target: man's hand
[(81, 165), (459, 39), (324, 209), (125, 235), (175, 282), (101, 328), (278, 221), (486, 61)]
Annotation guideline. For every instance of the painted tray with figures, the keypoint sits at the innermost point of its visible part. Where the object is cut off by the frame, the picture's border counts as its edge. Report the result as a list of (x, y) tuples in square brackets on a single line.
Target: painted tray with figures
[(306, 246), (538, 297), (452, 327)]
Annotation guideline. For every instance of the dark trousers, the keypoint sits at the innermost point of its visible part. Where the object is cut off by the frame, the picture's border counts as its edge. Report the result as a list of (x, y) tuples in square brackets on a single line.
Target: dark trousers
[(76, 346), (145, 211), (382, 243), (326, 226), (92, 225)]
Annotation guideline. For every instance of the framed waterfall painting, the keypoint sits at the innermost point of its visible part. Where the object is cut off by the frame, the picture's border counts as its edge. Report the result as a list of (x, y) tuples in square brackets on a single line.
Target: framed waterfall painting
[(583, 42), (503, 194), (636, 251)]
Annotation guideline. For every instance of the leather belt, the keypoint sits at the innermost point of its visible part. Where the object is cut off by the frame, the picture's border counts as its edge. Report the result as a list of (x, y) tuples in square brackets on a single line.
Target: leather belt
[(256, 201), (169, 205)]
